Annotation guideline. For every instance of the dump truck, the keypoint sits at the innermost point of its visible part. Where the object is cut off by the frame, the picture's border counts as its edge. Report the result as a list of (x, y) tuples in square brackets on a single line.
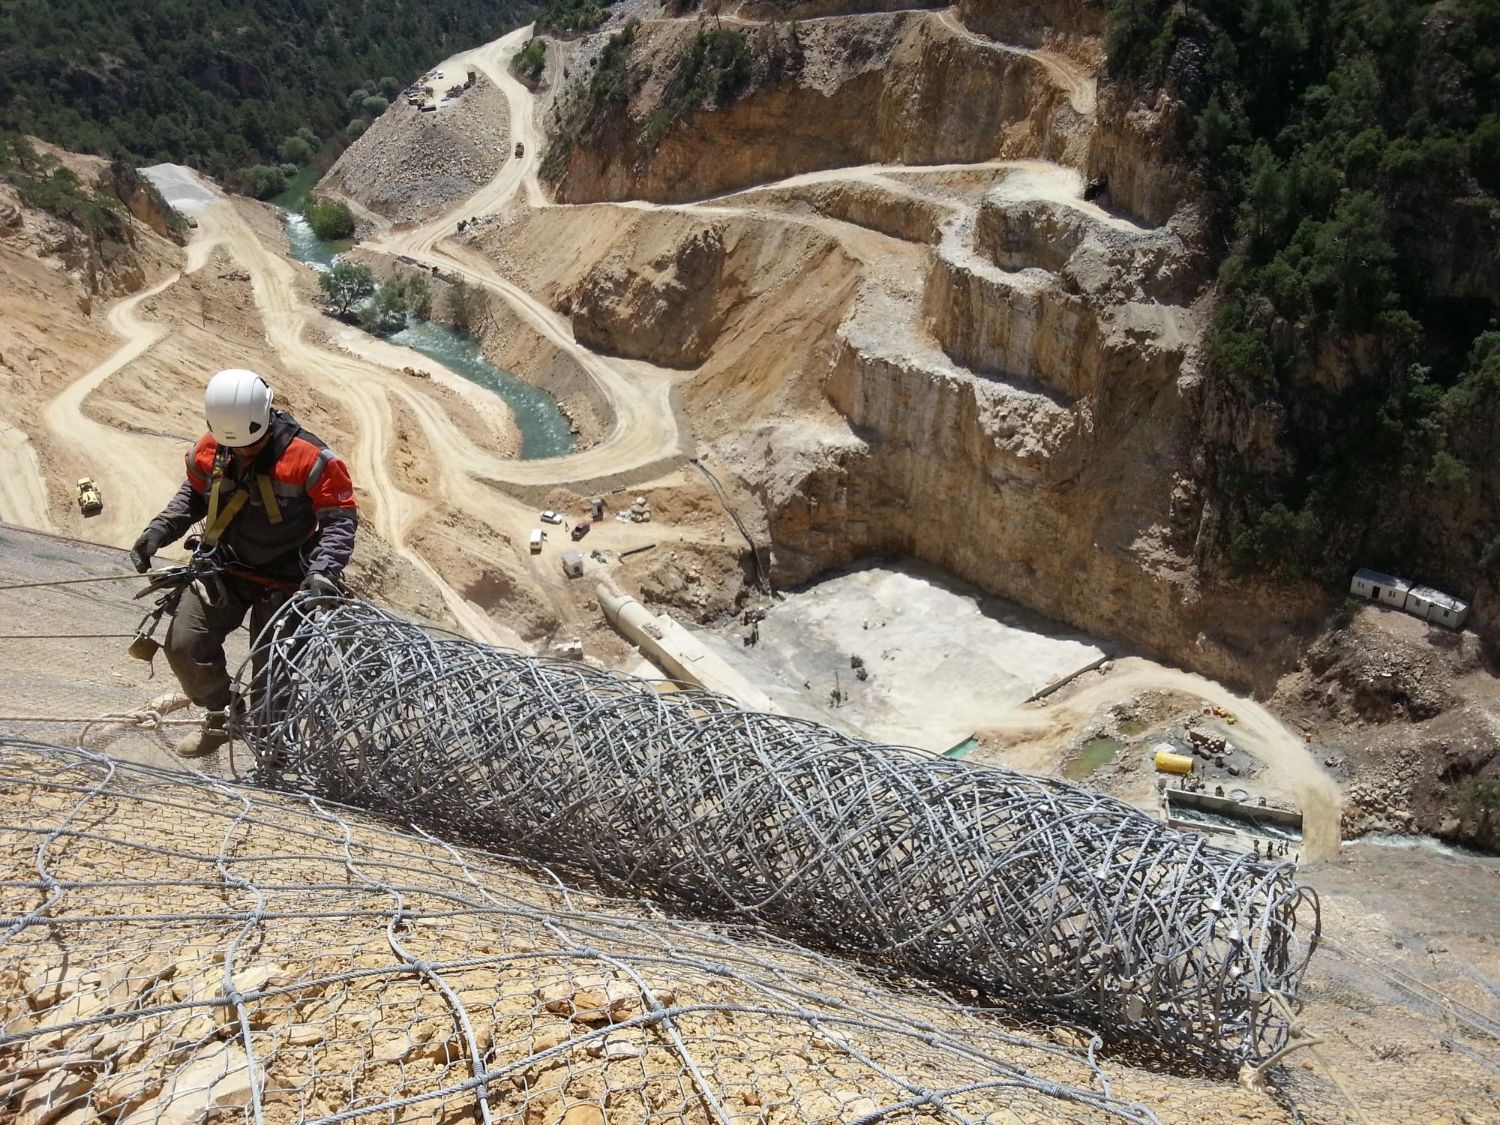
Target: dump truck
[(90, 499)]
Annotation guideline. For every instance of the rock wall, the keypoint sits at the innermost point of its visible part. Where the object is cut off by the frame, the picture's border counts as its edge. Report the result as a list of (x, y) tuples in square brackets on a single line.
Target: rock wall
[(892, 105), (1069, 513)]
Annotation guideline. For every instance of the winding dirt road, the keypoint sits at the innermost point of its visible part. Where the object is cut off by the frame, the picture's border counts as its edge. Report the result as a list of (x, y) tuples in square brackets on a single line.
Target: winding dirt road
[(126, 465)]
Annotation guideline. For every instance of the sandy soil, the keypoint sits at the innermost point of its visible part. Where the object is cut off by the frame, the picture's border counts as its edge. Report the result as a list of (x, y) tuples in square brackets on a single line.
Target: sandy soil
[(942, 661)]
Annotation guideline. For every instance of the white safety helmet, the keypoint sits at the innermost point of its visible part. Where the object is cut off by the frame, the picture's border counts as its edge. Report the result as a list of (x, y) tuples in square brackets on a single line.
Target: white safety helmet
[(238, 406)]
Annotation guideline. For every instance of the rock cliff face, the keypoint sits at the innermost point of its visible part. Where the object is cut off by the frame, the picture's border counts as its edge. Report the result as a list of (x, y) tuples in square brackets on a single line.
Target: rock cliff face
[(879, 90), (1003, 378)]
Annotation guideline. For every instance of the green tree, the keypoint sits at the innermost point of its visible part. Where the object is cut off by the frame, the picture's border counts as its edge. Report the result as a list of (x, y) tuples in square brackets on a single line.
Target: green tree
[(467, 306), (265, 180), (294, 150), (375, 105), (385, 313), (344, 285), (331, 220), (418, 296), (219, 86)]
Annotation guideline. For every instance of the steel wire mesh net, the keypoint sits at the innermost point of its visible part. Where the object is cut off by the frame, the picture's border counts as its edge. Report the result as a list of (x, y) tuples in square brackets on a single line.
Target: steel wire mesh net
[(1053, 898), (178, 949)]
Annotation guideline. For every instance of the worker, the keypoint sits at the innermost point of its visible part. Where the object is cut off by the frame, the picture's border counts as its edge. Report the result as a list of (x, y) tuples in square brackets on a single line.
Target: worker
[(281, 503)]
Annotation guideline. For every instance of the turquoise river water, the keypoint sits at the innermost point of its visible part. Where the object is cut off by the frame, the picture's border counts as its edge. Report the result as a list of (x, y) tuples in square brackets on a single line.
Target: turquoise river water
[(545, 432)]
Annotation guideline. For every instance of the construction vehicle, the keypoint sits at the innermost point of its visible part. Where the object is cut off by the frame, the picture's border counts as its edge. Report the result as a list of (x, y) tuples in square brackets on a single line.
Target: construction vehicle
[(580, 529), (90, 499)]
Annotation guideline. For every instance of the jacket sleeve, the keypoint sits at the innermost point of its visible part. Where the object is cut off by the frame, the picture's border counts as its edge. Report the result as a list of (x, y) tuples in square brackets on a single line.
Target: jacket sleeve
[(332, 494), (182, 511)]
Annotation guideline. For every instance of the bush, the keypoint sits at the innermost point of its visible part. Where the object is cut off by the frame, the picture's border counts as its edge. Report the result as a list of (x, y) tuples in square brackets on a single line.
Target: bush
[(467, 306), (265, 180), (356, 128), (375, 105), (572, 15), (330, 220), (344, 285), (418, 296), (294, 150), (386, 312), (530, 60)]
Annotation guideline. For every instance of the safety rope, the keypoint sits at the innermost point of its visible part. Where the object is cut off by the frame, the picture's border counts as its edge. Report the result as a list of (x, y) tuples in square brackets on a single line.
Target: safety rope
[(73, 581), (63, 636)]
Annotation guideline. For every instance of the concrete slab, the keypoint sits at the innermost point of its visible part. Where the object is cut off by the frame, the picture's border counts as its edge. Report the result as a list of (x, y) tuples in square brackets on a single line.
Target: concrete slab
[(944, 660), (181, 186)]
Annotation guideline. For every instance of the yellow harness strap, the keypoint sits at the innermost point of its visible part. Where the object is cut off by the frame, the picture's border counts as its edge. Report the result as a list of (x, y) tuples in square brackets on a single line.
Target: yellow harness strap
[(268, 498), (218, 520)]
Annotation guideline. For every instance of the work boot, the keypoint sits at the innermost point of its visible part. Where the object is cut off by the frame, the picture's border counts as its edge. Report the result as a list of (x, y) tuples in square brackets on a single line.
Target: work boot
[(207, 738)]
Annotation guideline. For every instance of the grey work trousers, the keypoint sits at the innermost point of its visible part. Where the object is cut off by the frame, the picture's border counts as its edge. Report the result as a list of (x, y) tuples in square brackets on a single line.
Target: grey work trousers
[(195, 638)]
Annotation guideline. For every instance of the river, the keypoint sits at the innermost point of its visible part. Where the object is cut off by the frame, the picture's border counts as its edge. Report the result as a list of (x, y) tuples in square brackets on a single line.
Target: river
[(545, 431)]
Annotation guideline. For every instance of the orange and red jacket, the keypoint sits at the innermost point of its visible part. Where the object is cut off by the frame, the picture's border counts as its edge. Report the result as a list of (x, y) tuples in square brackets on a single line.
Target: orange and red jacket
[(313, 495)]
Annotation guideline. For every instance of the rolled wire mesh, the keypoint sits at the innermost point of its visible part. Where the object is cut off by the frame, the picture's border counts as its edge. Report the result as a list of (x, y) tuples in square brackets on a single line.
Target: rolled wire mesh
[(175, 949), (1027, 890)]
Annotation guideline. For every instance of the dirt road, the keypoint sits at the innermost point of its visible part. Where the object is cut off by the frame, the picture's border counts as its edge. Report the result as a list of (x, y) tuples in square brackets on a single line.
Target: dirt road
[(136, 472)]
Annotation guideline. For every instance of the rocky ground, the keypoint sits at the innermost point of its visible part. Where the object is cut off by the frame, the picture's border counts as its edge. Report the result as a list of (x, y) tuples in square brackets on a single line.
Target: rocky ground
[(1410, 720), (412, 164)]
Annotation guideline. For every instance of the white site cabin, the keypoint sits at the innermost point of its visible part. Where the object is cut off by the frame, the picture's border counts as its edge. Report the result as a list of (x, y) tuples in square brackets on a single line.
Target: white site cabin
[(1419, 601)]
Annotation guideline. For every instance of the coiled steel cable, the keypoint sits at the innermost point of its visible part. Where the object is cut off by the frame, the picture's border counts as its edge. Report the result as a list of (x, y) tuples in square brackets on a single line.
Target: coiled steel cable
[(1029, 890)]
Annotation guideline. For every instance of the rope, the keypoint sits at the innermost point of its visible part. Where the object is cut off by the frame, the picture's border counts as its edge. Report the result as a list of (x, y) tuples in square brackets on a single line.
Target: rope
[(72, 581), (62, 636)]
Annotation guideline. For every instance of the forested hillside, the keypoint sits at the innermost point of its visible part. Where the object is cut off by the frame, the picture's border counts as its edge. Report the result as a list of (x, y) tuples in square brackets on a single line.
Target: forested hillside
[(1351, 153), (225, 87)]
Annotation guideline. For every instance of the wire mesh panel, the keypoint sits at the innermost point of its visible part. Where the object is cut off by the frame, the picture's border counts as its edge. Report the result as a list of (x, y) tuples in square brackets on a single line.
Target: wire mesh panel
[(1028, 889), (177, 949)]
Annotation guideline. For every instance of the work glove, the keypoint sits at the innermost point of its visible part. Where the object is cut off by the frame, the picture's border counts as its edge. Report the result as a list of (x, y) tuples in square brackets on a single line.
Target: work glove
[(140, 555), (319, 585)]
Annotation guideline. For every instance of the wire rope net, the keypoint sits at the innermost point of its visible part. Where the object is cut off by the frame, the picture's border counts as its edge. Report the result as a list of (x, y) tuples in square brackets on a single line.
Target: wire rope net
[(174, 949), (1027, 890)]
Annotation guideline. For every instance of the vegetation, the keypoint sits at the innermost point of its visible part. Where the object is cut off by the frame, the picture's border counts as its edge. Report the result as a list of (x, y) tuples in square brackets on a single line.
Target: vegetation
[(530, 61), (467, 307), (1352, 151), (714, 70), (613, 81), (42, 182), (386, 311), (572, 15), (344, 285), (331, 220), (230, 88), (418, 294)]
